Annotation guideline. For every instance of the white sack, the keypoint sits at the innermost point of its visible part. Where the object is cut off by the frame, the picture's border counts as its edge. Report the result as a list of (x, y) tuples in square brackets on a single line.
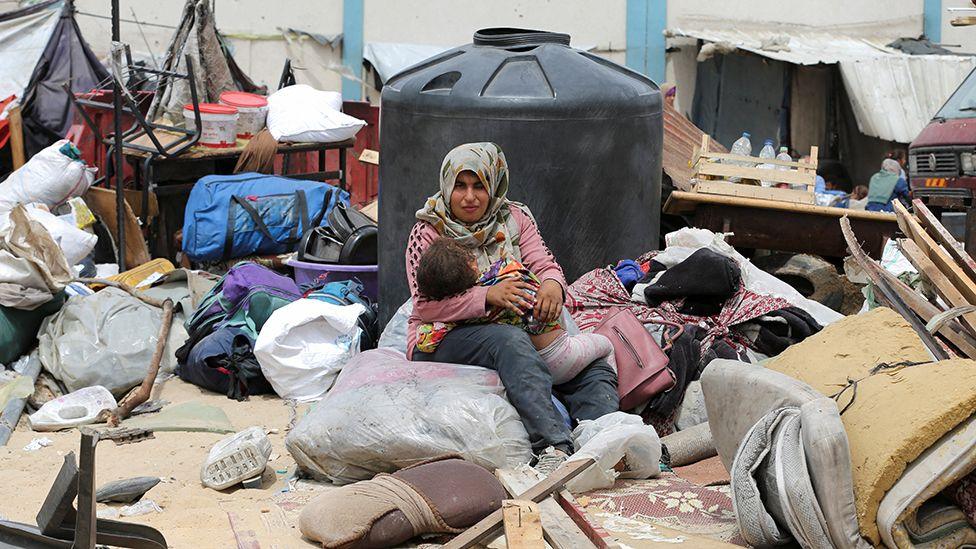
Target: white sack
[(75, 243), (49, 177), (303, 114), (609, 439), (107, 339), (386, 413), (304, 344)]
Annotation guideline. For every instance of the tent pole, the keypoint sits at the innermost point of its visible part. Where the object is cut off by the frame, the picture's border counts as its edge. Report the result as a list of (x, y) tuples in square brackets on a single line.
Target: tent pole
[(120, 218)]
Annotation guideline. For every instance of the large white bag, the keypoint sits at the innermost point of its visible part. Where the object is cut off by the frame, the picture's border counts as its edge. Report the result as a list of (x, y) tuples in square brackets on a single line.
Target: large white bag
[(608, 439), (75, 243), (50, 177), (108, 339), (386, 413), (304, 344), (303, 114)]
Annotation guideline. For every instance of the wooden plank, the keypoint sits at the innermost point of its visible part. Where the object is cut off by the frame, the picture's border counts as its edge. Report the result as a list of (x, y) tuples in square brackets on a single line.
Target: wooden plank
[(16, 125), (943, 286), (910, 226), (371, 211), (485, 528), (596, 534), (752, 191), (523, 526), (369, 156), (942, 260), (952, 331), (755, 159), (778, 176), (938, 231), (102, 203), (559, 530), (679, 198)]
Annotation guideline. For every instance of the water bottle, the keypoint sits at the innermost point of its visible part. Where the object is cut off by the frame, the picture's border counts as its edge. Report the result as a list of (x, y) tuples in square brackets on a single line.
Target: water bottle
[(741, 147), (767, 152), (784, 155)]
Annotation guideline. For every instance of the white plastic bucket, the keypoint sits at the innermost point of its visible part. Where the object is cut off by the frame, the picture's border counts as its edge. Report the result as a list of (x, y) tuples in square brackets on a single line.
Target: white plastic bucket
[(219, 124), (252, 110)]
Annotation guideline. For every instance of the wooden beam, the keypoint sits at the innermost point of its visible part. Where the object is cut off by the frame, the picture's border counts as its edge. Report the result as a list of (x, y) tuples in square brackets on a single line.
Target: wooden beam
[(938, 231), (16, 125), (934, 346), (752, 191), (946, 290), (523, 527), (485, 528), (793, 177), (941, 259), (683, 196), (560, 531), (593, 530), (791, 164)]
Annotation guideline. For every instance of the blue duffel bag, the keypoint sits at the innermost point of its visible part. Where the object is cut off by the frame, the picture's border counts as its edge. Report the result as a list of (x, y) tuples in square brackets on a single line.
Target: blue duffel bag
[(229, 216)]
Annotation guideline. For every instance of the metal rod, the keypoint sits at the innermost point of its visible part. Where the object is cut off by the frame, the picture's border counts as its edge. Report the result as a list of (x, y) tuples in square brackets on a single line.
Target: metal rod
[(117, 122), (14, 409)]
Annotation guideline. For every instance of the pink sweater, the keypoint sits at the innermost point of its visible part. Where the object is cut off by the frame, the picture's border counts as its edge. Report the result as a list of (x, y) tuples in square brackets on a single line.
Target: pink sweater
[(471, 304)]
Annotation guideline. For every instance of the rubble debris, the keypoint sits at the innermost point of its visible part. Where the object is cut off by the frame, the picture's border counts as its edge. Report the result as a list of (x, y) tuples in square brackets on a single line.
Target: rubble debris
[(125, 490), (236, 458)]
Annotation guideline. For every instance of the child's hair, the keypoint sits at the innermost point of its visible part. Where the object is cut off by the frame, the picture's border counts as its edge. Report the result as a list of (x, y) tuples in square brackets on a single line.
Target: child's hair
[(860, 192), (445, 269)]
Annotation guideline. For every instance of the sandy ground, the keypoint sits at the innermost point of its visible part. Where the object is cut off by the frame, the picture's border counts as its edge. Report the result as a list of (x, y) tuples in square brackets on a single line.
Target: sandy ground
[(193, 515), (198, 517)]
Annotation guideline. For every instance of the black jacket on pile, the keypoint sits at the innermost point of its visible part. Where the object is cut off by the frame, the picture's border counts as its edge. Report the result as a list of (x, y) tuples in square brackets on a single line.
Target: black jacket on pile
[(706, 280)]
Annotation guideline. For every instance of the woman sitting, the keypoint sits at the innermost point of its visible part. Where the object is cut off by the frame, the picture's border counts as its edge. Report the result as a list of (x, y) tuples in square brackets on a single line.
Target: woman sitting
[(472, 208)]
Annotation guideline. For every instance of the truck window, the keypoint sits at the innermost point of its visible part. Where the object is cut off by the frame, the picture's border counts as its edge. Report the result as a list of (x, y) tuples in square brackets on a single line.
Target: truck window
[(962, 103)]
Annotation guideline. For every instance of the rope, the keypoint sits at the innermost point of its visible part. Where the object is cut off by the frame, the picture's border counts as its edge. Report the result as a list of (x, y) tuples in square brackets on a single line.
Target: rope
[(852, 383)]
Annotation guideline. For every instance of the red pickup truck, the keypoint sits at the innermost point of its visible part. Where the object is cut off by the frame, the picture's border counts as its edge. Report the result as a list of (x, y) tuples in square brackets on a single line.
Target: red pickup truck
[(942, 159)]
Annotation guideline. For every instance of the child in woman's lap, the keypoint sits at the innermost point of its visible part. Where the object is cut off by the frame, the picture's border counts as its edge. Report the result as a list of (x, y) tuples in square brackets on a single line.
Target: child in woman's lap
[(447, 268)]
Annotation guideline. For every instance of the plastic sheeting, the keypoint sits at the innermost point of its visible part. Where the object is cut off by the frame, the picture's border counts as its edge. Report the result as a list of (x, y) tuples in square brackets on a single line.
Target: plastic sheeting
[(386, 413), (107, 339), (23, 36)]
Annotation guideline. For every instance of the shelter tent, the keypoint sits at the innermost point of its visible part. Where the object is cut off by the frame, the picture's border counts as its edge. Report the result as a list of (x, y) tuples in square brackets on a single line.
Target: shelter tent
[(41, 48)]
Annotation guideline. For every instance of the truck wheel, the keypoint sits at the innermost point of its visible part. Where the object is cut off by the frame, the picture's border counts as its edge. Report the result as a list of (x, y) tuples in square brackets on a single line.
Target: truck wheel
[(812, 276)]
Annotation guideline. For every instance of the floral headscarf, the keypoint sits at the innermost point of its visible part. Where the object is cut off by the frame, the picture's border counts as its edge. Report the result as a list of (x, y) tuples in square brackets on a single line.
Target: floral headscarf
[(496, 234)]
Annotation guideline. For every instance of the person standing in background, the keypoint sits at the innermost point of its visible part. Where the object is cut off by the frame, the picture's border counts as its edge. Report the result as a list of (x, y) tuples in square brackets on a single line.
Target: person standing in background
[(885, 186)]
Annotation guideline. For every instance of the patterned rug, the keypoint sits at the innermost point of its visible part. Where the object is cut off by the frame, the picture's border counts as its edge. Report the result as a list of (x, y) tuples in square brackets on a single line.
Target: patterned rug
[(675, 503)]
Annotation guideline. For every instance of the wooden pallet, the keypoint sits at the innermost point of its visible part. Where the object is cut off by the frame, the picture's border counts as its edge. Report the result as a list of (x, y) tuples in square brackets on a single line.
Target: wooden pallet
[(713, 175)]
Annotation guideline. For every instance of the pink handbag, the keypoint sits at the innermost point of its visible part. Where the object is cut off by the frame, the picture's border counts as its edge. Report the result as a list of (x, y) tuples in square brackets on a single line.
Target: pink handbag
[(642, 367)]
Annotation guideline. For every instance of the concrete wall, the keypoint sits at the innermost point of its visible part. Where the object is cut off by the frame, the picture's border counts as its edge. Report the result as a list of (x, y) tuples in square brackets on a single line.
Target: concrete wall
[(255, 28), (962, 39)]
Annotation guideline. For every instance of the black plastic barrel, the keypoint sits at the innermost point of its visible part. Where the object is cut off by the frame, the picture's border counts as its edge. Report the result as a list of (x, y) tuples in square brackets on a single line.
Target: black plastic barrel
[(582, 136)]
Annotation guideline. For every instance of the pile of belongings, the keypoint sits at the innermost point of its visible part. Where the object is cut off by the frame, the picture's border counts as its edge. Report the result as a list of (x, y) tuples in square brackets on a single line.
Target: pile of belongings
[(701, 300), (852, 438), (257, 332)]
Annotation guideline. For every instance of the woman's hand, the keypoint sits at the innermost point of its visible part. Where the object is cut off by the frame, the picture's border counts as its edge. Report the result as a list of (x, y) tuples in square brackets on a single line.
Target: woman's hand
[(549, 301), (512, 295)]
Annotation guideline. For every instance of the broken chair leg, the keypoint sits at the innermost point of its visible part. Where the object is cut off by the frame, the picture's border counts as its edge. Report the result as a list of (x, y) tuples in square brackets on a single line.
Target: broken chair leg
[(143, 392)]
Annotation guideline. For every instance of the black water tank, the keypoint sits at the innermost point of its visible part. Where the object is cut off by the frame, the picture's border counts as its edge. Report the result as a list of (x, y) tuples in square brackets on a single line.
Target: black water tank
[(582, 136)]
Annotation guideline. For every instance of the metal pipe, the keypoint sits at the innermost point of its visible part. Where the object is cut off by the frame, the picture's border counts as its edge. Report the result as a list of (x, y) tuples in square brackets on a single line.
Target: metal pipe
[(119, 166), (15, 408)]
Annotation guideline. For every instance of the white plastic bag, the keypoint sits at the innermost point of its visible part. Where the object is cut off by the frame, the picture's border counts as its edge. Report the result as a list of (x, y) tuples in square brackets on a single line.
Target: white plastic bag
[(394, 335), (75, 243), (386, 412), (107, 339), (49, 177), (304, 344), (609, 439), (304, 114), (73, 409)]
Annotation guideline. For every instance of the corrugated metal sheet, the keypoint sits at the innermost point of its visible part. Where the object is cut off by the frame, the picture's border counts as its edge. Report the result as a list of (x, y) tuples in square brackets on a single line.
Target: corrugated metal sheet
[(681, 137), (894, 95)]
